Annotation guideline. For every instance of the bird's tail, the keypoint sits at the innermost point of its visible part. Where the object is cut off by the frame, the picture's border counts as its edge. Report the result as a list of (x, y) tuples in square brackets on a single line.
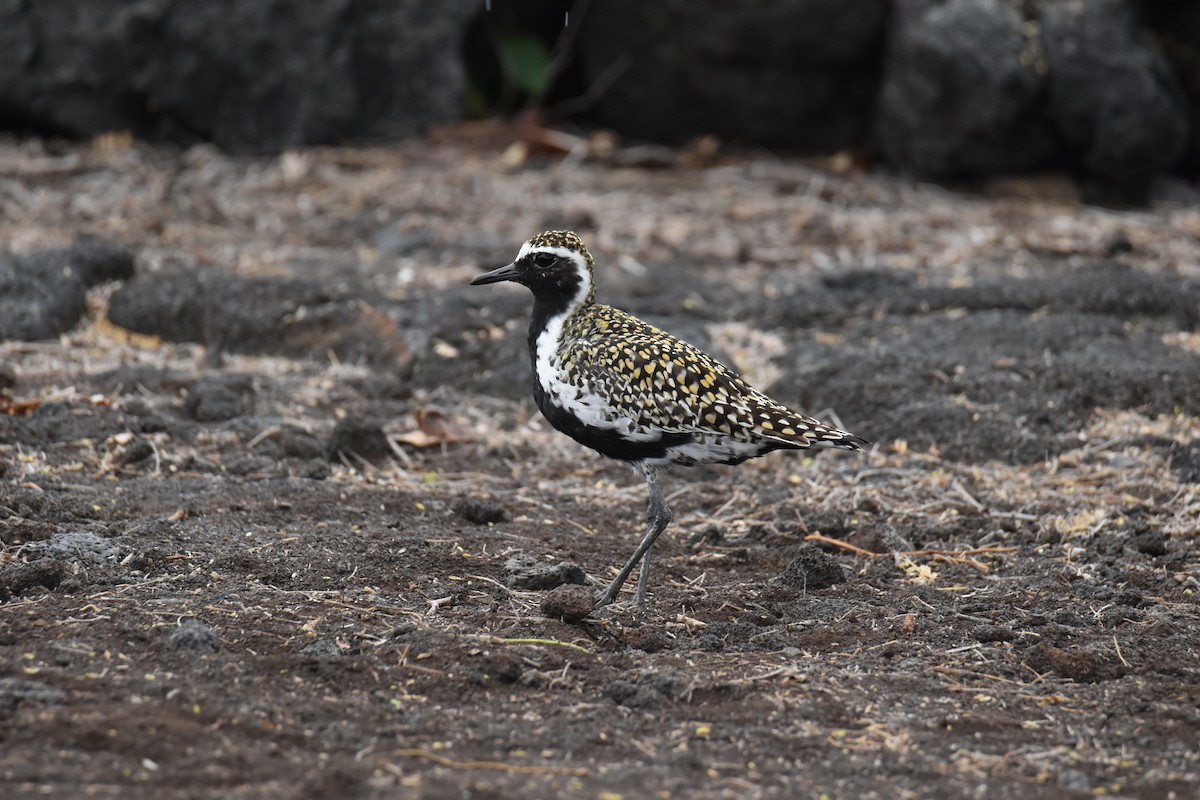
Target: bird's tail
[(794, 429)]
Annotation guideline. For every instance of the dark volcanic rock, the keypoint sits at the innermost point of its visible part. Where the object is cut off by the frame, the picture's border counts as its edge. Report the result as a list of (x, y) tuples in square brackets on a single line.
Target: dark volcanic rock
[(65, 422), (1177, 26), (79, 547), (1078, 663), (14, 691), (527, 572), (999, 384), (215, 401), (43, 294), (16, 579), (321, 648), (280, 316), (1109, 289), (1017, 376), (496, 366), (37, 301), (481, 511), (1185, 458), (648, 639), (246, 74), (1110, 97), (798, 74), (961, 93), (354, 436), (975, 87), (193, 636), (95, 260), (290, 441), (569, 602), (811, 569), (647, 689)]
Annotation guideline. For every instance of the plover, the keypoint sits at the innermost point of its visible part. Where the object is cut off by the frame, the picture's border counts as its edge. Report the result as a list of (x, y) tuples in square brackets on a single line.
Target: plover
[(637, 394)]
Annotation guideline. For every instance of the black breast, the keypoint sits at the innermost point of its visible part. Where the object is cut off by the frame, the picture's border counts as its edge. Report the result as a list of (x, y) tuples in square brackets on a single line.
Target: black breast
[(605, 442)]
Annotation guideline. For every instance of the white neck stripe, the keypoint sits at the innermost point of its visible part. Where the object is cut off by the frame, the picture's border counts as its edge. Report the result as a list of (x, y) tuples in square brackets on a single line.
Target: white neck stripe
[(549, 340)]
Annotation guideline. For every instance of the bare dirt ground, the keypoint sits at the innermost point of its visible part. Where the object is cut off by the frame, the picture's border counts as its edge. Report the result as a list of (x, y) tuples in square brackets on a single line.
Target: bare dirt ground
[(999, 600)]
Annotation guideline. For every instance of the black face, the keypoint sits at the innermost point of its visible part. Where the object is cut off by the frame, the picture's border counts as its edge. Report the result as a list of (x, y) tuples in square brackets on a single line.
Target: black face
[(547, 275)]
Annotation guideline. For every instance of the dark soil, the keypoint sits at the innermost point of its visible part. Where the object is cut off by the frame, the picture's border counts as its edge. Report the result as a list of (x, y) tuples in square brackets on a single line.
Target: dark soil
[(283, 522)]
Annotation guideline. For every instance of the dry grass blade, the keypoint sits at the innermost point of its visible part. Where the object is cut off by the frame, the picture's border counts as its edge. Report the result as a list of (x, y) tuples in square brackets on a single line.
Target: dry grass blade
[(548, 643), (414, 752), (947, 555)]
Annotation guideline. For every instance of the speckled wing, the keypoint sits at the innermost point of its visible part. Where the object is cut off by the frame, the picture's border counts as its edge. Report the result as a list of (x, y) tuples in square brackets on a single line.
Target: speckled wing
[(661, 382)]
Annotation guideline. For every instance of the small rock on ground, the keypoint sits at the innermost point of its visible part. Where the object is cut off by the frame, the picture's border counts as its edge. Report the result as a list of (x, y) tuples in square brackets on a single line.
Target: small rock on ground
[(811, 569), (15, 580), (14, 691), (82, 547), (648, 639), (42, 294), (570, 603), (213, 401), (323, 648), (481, 511), (526, 572), (355, 436), (194, 636)]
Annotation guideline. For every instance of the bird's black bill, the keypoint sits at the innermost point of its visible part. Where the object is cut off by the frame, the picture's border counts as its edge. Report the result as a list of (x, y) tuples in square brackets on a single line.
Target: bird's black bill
[(506, 273)]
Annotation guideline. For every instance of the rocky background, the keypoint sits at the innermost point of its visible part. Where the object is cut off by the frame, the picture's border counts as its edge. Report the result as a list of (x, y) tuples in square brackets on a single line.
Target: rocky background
[(941, 89)]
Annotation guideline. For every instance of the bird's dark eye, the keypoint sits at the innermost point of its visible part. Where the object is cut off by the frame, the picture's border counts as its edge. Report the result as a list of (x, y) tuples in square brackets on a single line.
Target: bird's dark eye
[(544, 260)]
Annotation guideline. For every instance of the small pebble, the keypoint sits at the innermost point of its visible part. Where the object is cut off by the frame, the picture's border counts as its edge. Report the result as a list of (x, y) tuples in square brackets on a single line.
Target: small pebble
[(526, 572), (135, 451), (648, 639), (354, 436), (811, 569), (323, 648), (316, 469), (570, 603), (1151, 543), (194, 636), (80, 547), (213, 401), (18, 578), (480, 511), (631, 695), (993, 633), (14, 691)]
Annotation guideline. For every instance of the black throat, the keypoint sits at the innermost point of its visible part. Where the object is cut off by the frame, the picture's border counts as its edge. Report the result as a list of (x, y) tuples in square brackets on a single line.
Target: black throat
[(550, 299)]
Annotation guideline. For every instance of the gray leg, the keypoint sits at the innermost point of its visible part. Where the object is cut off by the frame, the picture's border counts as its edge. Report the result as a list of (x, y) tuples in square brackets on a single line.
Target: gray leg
[(658, 516), (639, 594)]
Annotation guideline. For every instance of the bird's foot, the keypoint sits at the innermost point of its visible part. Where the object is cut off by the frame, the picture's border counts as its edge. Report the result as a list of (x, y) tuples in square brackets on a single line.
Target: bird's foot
[(608, 596)]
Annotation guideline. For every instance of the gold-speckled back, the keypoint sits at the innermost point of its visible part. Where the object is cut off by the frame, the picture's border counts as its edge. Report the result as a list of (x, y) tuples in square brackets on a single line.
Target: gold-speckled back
[(662, 382)]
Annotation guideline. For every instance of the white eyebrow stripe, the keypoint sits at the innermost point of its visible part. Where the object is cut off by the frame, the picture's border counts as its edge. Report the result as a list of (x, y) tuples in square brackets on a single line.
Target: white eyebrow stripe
[(562, 252)]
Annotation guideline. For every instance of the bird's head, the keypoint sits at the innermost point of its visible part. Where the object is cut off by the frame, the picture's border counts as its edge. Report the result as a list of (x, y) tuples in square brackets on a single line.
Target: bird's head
[(553, 265)]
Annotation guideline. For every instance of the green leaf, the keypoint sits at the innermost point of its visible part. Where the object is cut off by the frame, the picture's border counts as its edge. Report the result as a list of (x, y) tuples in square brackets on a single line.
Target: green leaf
[(527, 62)]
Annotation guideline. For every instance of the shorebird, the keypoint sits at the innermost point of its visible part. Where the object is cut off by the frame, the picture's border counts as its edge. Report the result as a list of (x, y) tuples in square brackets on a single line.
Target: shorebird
[(637, 394)]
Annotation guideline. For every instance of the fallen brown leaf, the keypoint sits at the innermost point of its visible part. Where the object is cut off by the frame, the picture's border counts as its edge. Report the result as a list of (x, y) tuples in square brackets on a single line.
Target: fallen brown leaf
[(433, 428)]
